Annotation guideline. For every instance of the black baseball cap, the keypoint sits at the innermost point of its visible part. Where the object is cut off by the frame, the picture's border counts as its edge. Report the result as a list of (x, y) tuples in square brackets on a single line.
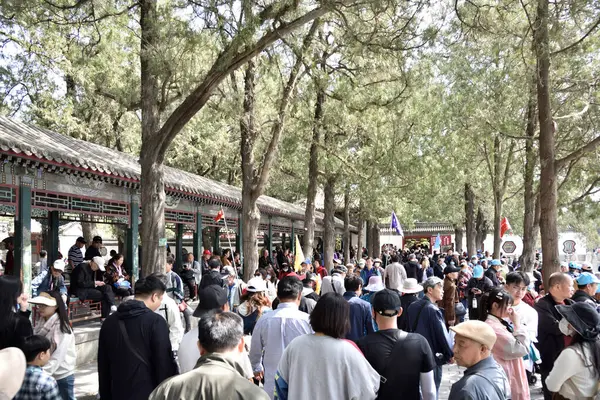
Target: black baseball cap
[(81, 239), (210, 298), (450, 269), (386, 300), (97, 239)]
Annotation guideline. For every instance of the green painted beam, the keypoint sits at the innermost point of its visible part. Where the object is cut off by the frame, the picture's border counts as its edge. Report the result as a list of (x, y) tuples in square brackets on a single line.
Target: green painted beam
[(53, 225), (179, 246), (270, 238), (240, 240), (293, 239), (23, 234), (132, 242), (198, 238)]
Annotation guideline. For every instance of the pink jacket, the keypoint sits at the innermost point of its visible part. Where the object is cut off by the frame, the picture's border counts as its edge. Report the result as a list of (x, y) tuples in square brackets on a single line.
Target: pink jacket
[(508, 352)]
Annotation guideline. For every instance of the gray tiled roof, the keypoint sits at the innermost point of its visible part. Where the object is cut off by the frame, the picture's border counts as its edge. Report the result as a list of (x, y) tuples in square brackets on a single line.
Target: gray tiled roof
[(420, 227), (22, 139)]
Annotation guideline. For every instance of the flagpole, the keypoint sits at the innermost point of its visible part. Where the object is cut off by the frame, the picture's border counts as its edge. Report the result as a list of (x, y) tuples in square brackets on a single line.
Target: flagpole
[(228, 239)]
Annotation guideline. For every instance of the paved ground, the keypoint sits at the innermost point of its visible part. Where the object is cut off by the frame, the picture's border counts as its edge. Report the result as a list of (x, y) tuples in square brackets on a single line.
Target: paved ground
[(86, 382)]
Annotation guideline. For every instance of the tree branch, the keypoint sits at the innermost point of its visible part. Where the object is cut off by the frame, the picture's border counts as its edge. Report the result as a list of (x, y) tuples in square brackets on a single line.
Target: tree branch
[(588, 192), (271, 153), (77, 4), (569, 169), (227, 62), (588, 148), (588, 33), (507, 167), (574, 115), (488, 162)]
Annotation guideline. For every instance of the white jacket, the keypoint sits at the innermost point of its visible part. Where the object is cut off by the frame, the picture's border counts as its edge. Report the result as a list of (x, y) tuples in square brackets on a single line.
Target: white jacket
[(64, 355), (169, 310)]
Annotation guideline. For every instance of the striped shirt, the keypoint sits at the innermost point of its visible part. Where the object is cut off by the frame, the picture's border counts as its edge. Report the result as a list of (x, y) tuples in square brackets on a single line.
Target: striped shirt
[(75, 255), (38, 385)]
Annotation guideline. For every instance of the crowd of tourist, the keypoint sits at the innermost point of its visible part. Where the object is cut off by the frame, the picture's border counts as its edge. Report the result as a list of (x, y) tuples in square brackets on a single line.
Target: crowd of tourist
[(366, 328)]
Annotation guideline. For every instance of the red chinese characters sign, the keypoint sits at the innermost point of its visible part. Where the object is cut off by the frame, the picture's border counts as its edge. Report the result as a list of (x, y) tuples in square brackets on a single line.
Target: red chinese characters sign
[(445, 239)]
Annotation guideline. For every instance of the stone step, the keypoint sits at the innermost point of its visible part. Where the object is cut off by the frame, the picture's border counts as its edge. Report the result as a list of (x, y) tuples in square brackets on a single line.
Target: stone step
[(86, 341)]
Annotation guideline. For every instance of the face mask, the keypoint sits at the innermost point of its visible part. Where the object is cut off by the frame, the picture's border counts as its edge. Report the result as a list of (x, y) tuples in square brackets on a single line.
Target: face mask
[(268, 277), (564, 327)]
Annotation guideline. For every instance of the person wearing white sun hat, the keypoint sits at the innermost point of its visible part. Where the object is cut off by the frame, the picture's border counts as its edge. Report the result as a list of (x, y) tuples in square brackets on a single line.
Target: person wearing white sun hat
[(253, 304), (51, 279), (409, 291), (375, 285), (53, 324)]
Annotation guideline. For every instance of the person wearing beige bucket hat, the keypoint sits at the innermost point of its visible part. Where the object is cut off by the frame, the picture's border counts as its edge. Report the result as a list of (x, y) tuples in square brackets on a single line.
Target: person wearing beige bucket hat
[(483, 378), (12, 372)]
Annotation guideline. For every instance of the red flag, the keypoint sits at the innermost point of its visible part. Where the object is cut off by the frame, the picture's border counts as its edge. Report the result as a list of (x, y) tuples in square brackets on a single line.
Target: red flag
[(504, 226), (219, 216)]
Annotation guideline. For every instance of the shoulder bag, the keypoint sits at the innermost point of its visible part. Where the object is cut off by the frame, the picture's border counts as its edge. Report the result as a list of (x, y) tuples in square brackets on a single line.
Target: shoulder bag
[(130, 345)]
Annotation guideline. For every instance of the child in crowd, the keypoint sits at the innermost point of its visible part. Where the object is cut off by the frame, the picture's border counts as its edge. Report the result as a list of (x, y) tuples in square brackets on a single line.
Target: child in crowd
[(37, 384)]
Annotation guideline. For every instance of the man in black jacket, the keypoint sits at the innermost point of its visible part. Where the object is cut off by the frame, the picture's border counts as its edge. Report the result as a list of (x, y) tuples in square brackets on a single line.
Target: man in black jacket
[(438, 268), (87, 284), (492, 272), (476, 287), (214, 277), (134, 351), (94, 250), (587, 285), (551, 340), (413, 268)]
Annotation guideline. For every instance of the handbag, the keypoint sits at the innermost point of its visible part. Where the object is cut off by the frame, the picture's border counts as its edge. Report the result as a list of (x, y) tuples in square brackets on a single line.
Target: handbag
[(459, 309)]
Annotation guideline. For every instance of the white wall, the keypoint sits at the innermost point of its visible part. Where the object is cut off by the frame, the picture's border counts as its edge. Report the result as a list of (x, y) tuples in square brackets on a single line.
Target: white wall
[(580, 254), (391, 239), (488, 244)]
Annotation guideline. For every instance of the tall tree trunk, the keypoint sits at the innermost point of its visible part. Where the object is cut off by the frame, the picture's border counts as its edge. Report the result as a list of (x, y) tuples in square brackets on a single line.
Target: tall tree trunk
[(156, 140), (458, 238), (376, 241), (497, 218), (250, 211), (89, 230), (254, 180), (347, 235), (313, 175), (151, 156), (548, 188), (481, 229), (529, 197), (329, 222), (470, 219), (251, 222), (497, 197), (369, 238), (361, 230)]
